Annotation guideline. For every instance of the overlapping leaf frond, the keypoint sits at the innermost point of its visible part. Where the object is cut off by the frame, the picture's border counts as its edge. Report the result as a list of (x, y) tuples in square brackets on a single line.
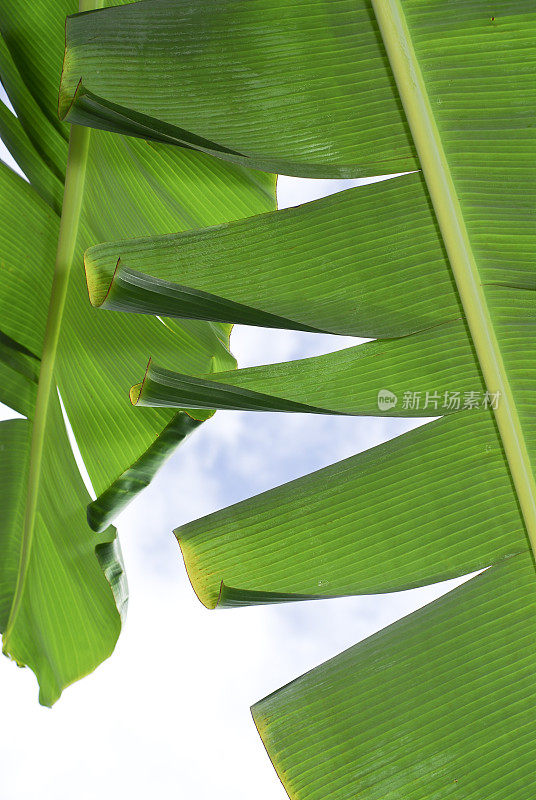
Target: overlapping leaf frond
[(57, 609)]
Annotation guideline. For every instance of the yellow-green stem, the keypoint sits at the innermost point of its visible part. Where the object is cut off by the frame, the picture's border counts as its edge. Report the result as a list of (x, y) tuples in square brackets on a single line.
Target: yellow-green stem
[(70, 215), (412, 90)]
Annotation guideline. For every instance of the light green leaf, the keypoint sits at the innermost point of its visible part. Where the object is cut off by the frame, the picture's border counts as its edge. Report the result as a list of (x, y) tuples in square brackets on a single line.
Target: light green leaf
[(140, 473), (346, 264), (19, 372), (28, 239), (442, 702), (63, 586), (57, 612), (43, 179), (47, 135), (145, 274), (413, 511), (439, 704), (302, 90), (425, 373)]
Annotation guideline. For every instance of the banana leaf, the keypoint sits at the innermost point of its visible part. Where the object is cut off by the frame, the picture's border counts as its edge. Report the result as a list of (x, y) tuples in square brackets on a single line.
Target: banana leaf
[(62, 586), (438, 266)]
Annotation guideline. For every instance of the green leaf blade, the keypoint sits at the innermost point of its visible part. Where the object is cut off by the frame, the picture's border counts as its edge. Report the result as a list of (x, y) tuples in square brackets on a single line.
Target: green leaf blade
[(423, 374), (324, 64), (448, 196), (418, 711), (102, 510), (385, 520), (65, 591), (315, 267), (67, 620), (437, 704)]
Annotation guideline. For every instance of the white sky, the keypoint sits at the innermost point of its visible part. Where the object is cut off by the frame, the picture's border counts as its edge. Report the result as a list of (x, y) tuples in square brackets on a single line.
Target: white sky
[(168, 715)]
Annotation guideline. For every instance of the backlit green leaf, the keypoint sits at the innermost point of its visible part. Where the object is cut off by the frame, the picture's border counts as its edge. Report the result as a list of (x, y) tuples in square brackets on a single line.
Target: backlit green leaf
[(63, 588), (296, 88), (441, 703)]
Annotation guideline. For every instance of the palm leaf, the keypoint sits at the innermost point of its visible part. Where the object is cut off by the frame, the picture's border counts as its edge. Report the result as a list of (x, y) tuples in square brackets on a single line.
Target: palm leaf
[(57, 609), (441, 701)]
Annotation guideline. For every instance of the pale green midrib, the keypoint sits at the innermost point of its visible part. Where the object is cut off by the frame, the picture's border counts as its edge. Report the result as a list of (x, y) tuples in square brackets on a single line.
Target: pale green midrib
[(68, 231), (412, 90)]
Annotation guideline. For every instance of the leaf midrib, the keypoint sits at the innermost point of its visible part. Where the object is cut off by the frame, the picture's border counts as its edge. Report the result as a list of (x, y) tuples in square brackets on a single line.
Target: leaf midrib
[(436, 171), (72, 203), (68, 232)]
